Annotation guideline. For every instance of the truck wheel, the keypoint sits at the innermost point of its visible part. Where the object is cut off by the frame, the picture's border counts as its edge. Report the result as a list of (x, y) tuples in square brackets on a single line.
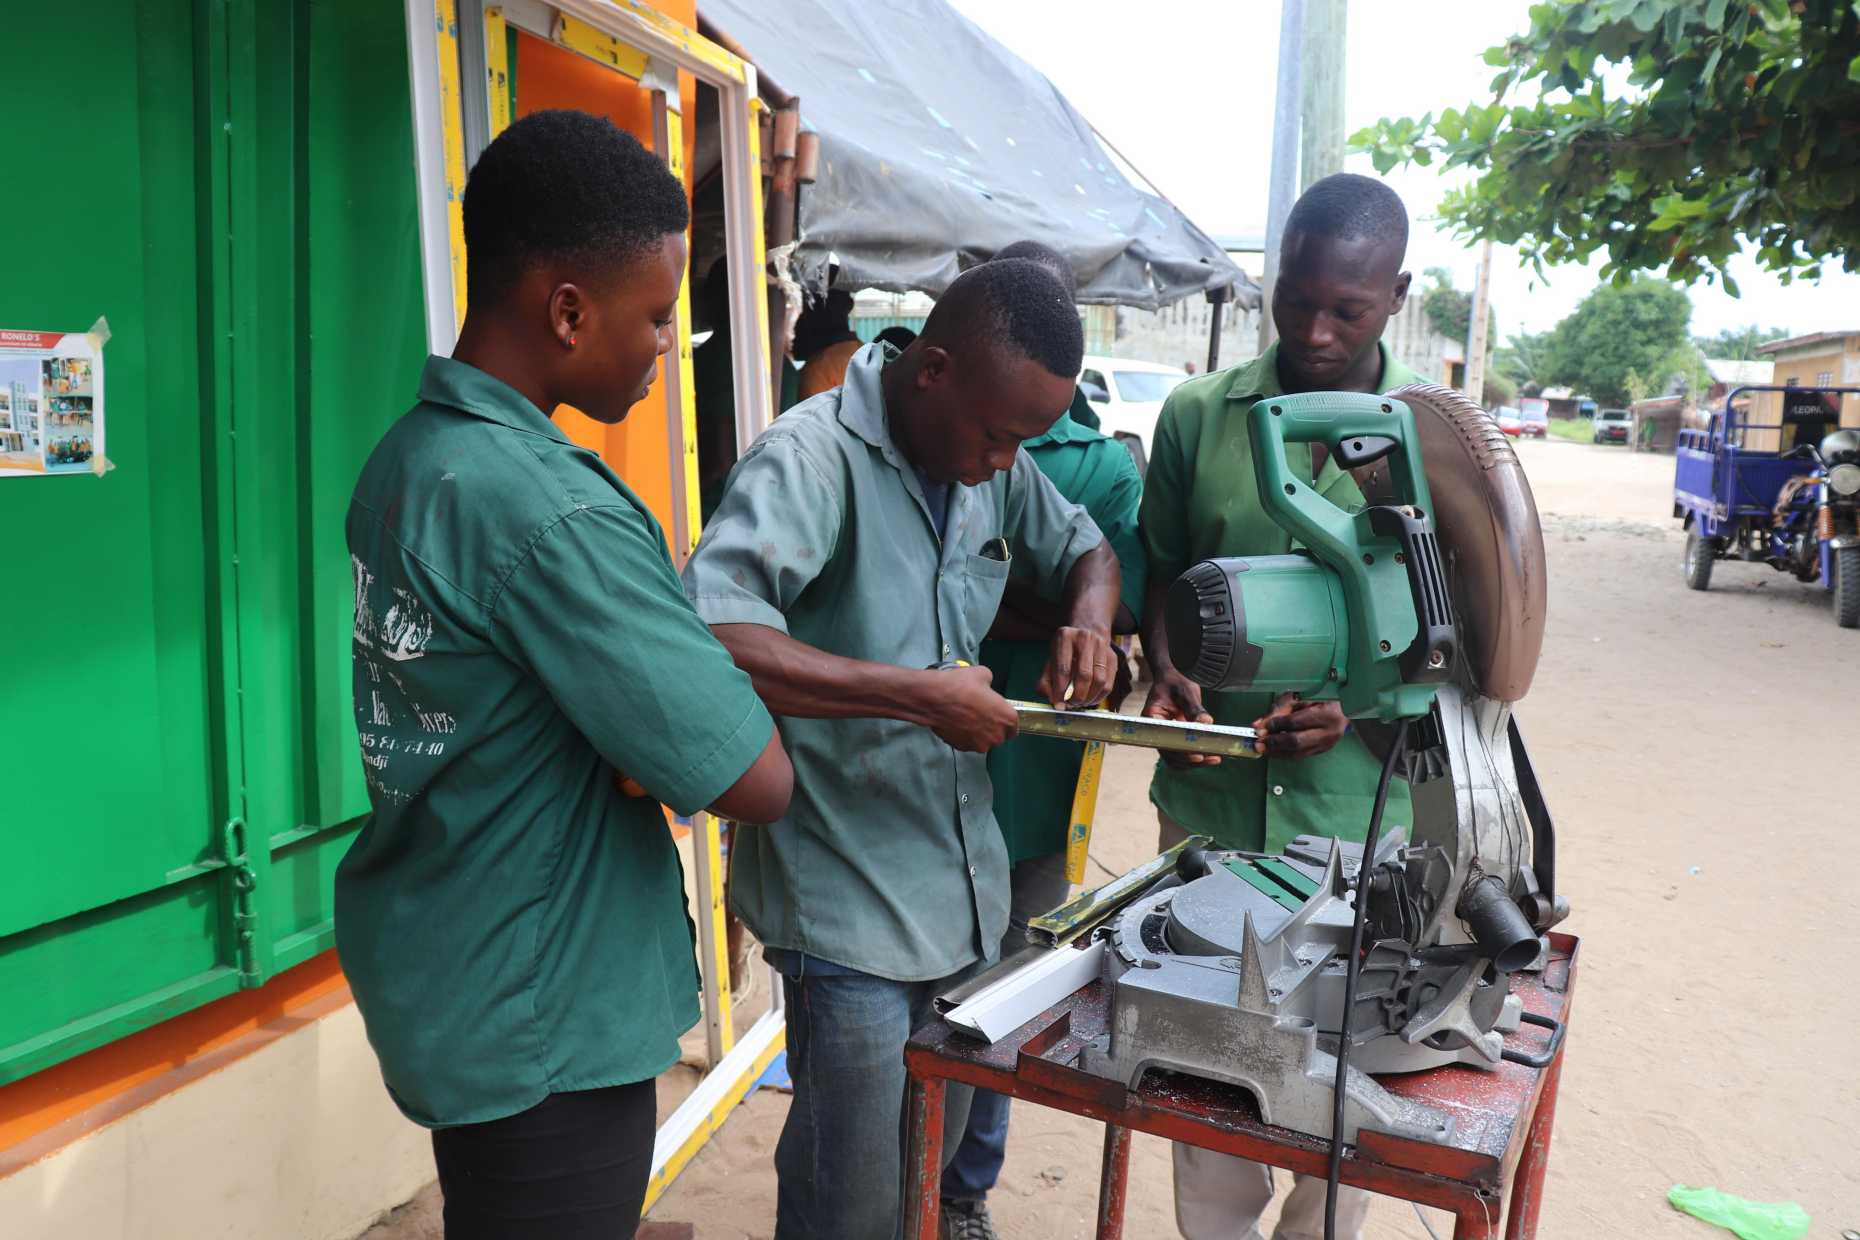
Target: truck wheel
[(1700, 554), (1846, 585)]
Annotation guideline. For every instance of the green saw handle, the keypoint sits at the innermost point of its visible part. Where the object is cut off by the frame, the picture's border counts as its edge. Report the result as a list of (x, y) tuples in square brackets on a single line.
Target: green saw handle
[(1360, 547), (1340, 421)]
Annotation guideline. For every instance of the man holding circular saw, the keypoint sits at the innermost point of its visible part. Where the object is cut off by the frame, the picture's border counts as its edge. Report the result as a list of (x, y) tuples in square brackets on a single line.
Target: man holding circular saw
[(1340, 280)]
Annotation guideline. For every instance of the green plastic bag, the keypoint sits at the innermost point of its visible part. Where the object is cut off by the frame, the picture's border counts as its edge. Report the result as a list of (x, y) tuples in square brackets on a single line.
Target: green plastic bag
[(1748, 1220)]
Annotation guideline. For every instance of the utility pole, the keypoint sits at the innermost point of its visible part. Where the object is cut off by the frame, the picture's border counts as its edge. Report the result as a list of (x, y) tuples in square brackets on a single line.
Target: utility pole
[(1321, 133), (1283, 180), (1307, 120), (1476, 329)]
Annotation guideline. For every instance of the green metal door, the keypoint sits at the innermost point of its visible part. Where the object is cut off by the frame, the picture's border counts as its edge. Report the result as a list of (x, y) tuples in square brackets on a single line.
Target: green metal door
[(230, 184)]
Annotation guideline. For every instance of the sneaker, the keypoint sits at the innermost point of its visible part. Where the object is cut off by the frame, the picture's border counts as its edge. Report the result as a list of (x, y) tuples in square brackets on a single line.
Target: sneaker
[(966, 1220)]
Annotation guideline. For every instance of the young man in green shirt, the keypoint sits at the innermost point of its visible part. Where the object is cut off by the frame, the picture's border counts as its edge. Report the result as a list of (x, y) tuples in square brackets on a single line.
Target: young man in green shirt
[(513, 925), (1034, 777), (1340, 279), (857, 559)]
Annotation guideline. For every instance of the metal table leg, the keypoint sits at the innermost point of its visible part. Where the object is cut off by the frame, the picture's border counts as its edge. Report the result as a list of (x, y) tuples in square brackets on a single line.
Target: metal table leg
[(1477, 1220), (1113, 1182), (924, 1148), (1527, 1189)]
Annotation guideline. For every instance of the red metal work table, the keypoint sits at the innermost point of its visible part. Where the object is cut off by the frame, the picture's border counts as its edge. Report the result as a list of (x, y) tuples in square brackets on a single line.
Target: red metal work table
[(1503, 1129)]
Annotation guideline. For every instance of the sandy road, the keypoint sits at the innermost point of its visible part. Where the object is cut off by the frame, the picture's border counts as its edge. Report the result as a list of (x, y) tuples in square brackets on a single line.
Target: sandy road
[(1698, 752)]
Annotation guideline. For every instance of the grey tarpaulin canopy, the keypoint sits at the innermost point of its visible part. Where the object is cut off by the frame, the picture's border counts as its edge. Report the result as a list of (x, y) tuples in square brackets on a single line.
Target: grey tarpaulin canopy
[(938, 146)]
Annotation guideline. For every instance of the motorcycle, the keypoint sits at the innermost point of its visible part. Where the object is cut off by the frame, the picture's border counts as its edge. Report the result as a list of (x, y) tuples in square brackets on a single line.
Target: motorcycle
[(1744, 504)]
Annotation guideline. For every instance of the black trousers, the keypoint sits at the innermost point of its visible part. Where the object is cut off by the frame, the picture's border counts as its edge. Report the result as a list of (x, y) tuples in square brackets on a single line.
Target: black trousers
[(572, 1167)]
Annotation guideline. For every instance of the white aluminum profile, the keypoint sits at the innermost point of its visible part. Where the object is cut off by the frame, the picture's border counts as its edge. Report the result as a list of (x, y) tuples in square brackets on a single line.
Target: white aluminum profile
[(706, 830), (1010, 1002), (473, 56), (704, 1105), (429, 158), (749, 336)]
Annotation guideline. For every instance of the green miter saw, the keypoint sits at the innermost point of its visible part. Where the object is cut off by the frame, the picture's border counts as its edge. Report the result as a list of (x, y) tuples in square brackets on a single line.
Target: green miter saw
[(1363, 616), (1424, 608), (1424, 605)]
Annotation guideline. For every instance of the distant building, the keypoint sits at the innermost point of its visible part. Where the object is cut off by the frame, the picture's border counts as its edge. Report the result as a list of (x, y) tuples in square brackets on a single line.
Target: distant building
[(1658, 420), (1178, 334), (1820, 359), (1727, 376), (874, 311), (1416, 344), (1567, 403)]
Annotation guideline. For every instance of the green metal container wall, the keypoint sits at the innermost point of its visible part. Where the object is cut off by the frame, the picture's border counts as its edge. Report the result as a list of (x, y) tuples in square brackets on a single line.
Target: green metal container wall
[(230, 183)]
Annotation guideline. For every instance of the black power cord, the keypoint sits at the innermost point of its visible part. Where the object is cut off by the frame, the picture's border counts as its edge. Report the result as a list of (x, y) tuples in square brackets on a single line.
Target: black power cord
[(1351, 968)]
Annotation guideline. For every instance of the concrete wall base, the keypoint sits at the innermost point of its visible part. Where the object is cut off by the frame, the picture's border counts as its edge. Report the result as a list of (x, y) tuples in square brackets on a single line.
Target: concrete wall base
[(288, 1134)]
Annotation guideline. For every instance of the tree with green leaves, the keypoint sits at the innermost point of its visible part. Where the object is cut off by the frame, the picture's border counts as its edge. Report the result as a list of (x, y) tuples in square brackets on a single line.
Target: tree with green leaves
[(1525, 360), (1739, 344), (1622, 342), (1733, 124), (1498, 390), (1448, 309)]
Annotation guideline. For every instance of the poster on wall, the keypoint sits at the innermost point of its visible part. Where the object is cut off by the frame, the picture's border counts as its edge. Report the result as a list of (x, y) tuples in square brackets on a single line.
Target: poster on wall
[(51, 402)]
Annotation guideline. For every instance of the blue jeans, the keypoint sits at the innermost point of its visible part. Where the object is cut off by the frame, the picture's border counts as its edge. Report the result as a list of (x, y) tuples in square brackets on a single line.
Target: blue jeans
[(1039, 887), (839, 1164)]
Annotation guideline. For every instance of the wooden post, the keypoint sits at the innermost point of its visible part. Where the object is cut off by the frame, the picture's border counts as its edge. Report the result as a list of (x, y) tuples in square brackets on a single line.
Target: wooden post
[(1476, 329)]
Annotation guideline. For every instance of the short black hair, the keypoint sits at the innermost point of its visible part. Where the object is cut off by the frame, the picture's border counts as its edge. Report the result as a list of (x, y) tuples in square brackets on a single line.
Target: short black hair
[(1347, 206), (824, 323), (897, 335), (564, 187), (1040, 252), (1014, 303)]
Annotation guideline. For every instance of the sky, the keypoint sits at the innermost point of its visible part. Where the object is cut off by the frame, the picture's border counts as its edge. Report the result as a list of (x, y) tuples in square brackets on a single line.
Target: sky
[(1185, 91)]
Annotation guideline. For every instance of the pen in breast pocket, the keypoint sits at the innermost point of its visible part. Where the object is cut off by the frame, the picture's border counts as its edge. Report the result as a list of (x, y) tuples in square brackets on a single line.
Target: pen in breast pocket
[(995, 549)]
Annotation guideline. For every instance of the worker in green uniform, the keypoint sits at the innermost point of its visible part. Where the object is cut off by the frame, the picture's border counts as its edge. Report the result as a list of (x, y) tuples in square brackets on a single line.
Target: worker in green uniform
[(1034, 777), (512, 922), (1340, 279)]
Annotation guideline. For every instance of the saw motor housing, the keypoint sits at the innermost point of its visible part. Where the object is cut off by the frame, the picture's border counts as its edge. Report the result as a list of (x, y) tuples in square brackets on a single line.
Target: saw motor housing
[(1362, 615)]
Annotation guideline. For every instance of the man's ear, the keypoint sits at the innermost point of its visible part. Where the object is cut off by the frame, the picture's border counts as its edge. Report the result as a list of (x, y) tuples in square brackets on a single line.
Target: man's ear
[(569, 311), (932, 367), (1399, 295)]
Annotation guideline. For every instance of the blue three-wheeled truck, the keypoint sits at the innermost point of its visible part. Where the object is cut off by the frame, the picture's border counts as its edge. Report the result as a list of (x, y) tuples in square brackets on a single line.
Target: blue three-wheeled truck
[(1795, 507)]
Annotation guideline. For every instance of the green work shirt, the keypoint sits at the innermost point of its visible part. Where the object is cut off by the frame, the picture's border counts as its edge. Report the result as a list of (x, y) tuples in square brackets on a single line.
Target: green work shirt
[(1035, 776), (889, 860), (512, 924), (1201, 499)]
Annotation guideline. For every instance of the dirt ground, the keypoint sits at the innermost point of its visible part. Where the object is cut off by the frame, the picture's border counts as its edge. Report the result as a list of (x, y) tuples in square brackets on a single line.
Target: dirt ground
[(1696, 751)]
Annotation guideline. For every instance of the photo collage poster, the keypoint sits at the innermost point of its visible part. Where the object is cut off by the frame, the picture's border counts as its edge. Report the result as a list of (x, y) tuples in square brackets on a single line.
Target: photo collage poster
[(51, 403)]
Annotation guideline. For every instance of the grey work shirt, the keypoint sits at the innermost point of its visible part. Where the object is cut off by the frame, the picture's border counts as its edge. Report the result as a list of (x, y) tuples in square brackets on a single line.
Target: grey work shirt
[(889, 860)]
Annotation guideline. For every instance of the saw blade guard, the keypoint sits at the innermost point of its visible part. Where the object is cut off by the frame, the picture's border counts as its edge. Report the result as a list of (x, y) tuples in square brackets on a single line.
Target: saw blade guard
[(1485, 519)]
